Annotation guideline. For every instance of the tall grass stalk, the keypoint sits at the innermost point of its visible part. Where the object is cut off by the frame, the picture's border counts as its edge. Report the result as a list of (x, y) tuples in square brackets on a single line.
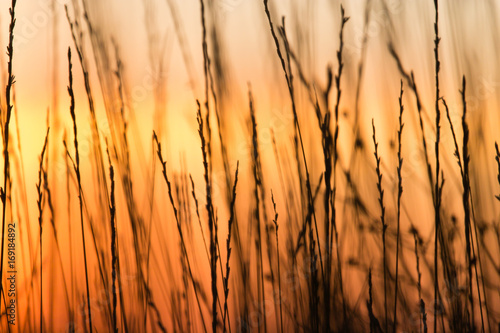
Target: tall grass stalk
[(424, 315), (497, 159), (469, 220), (112, 211), (228, 245), (210, 91), (382, 221), (181, 235), (334, 228), (6, 162), (67, 159), (210, 211), (374, 323), (416, 239), (437, 199), (207, 163), (298, 137), (287, 70), (78, 40), (79, 179), (193, 194), (50, 203), (411, 82), (257, 177), (361, 67), (40, 203), (467, 213), (398, 214), (455, 141), (275, 221), (467, 205)]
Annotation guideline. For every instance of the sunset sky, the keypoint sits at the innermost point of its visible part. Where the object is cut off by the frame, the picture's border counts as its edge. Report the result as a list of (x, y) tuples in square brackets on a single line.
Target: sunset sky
[(468, 38), (159, 45)]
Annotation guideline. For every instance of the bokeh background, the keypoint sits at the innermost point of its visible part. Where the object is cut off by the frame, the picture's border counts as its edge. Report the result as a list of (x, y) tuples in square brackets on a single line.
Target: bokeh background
[(145, 69)]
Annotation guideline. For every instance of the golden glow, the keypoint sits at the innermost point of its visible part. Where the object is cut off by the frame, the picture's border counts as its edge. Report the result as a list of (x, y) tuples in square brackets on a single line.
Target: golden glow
[(145, 65)]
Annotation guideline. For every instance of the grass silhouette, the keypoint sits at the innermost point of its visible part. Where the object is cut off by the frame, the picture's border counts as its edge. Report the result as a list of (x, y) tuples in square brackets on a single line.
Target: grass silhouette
[(319, 236)]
